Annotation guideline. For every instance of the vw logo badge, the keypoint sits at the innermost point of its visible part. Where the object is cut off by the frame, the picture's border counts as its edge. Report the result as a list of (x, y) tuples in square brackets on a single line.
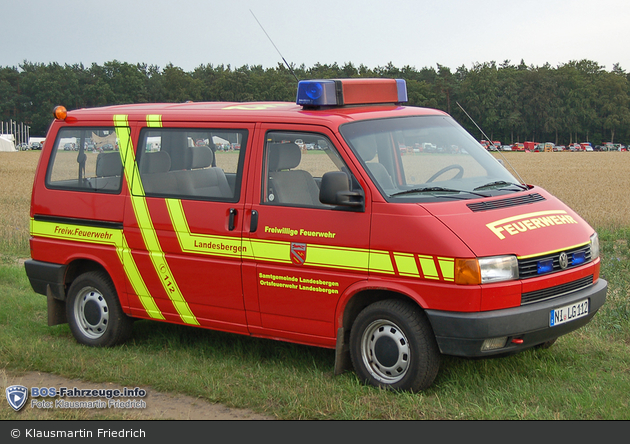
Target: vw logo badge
[(563, 260), (16, 396)]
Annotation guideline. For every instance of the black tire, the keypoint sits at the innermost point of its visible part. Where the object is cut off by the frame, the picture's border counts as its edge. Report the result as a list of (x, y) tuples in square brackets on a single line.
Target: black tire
[(392, 346), (94, 312)]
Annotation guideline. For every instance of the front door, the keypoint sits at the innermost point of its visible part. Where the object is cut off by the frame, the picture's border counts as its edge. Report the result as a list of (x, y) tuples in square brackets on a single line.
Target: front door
[(306, 253)]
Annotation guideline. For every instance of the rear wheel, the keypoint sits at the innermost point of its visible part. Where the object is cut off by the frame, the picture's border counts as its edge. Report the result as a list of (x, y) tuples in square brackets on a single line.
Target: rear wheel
[(392, 346), (94, 312)]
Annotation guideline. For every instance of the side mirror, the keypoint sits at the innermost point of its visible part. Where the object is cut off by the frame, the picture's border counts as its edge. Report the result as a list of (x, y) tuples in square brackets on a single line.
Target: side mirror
[(335, 190)]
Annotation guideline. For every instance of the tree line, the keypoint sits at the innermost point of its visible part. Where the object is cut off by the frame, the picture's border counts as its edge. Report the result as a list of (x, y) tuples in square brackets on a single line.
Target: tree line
[(573, 102)]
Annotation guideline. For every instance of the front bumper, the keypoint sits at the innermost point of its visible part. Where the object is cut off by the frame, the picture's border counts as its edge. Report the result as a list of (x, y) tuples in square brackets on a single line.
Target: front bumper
[(462, 334)]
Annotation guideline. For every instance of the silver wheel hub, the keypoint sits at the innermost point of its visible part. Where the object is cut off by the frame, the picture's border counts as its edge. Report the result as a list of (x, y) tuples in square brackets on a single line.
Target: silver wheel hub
[(385, 351), (91, 313)]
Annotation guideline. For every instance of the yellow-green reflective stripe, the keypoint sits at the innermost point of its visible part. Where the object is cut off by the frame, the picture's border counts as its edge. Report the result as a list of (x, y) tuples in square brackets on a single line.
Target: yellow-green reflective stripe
[(145, 224), (447, 267), (381, 262), (273, 251), (154, 120), (103, 236), (127, 155), (427, 265), (406, 264), (139, 287), (201, 243), (79, 233)]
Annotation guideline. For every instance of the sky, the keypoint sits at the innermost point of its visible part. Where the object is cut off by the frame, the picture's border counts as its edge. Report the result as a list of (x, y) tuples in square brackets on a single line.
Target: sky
[(415, 33)]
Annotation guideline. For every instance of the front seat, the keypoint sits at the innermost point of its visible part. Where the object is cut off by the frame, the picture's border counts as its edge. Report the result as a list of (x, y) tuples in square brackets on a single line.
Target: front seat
[(288, 185)]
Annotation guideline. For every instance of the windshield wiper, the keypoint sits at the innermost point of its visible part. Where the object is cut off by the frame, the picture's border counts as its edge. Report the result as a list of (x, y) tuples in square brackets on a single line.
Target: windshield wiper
[(435, 189), (500, 183)]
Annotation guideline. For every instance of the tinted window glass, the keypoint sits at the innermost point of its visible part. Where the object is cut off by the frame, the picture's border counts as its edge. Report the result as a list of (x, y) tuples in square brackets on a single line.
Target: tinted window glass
[(86, 159), (192, 163)]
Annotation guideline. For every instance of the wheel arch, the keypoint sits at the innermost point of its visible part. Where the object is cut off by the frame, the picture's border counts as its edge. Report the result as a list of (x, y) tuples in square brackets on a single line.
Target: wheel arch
[(348, 311), (79, 266)]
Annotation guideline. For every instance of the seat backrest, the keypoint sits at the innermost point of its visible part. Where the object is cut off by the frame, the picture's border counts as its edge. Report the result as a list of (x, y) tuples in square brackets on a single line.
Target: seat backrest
[(108, 171), (367, 151), (287, 185), (108, 164), (155, 162), (199, 179), (156, 177)]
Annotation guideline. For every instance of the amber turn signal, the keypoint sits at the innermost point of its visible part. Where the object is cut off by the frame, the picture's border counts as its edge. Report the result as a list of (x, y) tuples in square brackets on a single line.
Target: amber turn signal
[(467, 271)]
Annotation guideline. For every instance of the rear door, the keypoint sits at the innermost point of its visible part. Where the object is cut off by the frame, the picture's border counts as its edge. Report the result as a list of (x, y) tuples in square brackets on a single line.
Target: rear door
[(186, 234)]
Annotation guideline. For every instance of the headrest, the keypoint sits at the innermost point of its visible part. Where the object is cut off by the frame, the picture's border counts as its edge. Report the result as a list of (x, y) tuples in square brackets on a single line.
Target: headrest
[(199, 157), (108, 164), (157, 162), (283, 156), (366, 147)]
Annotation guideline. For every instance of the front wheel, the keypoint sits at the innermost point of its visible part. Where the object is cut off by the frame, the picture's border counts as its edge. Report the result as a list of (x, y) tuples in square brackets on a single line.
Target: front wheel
[(94, 312), (392, 346)]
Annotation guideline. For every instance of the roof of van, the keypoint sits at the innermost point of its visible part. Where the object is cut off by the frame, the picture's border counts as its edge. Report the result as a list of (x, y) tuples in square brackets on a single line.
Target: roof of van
[(285, 112)]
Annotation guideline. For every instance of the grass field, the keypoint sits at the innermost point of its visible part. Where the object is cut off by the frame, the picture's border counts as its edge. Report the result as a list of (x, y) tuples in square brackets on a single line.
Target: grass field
[(594, 184), (586, 375)]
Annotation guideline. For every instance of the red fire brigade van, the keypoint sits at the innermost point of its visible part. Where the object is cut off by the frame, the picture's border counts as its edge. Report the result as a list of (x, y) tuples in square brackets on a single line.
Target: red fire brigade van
[(391, 258)]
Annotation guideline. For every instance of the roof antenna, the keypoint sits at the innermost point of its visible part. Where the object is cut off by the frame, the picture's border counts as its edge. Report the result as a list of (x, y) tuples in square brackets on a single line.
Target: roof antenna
[(487, 138), (285, 62)]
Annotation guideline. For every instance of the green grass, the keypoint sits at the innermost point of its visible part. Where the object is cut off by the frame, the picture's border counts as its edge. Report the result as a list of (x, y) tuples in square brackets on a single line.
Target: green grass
[(585, 375)]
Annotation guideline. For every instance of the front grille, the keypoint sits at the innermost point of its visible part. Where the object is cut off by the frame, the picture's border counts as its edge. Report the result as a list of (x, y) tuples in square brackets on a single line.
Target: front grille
[(554, 292), (505, 203), (528, 268)]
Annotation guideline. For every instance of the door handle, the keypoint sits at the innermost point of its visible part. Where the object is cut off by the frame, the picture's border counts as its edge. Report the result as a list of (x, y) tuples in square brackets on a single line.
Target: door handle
[(253, 223), (231, 219)]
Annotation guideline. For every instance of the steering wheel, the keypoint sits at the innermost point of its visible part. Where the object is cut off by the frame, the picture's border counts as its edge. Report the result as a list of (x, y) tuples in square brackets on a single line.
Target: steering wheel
[(455, 166)]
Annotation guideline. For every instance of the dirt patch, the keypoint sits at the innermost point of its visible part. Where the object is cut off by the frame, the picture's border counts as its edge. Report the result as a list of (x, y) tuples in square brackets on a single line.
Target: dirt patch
[(161, 406)]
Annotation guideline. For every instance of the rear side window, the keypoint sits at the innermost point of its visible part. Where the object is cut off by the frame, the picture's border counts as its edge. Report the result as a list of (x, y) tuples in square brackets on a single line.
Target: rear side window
[(85, 159), (192, 163)]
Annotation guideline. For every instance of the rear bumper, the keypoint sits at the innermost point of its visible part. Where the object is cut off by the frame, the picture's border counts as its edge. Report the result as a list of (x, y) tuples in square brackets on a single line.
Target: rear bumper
[(45, 275), (462, 334)]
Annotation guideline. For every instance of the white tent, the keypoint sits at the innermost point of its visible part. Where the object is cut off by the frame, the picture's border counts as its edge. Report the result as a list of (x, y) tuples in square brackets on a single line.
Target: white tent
[(221, 143), (6, 144)]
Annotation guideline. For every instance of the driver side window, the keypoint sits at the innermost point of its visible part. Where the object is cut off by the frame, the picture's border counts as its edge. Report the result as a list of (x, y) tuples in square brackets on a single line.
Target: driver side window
[(294, 165)]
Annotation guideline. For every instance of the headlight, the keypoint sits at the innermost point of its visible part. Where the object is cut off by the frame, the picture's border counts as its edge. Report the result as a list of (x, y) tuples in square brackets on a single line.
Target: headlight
[(498, 269), (594, 246)]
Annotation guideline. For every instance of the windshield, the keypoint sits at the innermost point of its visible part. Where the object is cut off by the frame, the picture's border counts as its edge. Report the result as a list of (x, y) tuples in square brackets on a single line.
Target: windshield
[(427, 158)]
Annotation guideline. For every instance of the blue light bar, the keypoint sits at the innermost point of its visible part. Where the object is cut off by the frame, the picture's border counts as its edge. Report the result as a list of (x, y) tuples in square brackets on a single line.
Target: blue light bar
[(545, 266), (317, 93), (578, 258), (401, 85), (354, 91)]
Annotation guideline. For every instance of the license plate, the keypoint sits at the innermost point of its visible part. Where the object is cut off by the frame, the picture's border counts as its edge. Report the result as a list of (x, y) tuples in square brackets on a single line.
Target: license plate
[(568, 313)]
